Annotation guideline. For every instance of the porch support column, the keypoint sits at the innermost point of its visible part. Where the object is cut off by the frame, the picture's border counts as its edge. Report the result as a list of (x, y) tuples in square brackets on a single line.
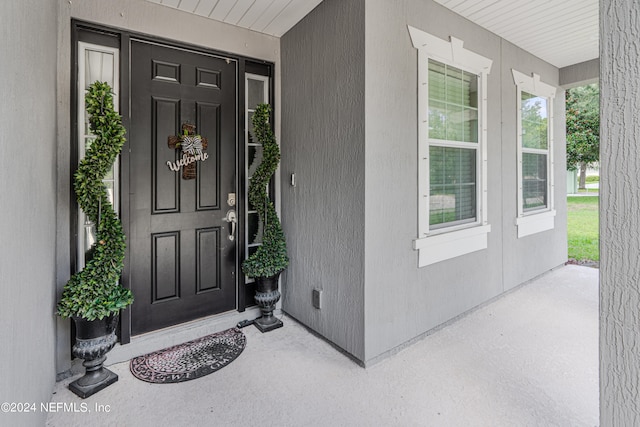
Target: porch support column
[(619, 213)]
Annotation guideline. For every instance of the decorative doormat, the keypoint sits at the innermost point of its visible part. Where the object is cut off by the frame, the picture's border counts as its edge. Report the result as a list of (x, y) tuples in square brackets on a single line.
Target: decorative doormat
[(191, 360)]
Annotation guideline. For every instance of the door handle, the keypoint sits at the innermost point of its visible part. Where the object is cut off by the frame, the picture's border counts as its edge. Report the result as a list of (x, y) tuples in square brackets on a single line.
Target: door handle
[(233, 220)]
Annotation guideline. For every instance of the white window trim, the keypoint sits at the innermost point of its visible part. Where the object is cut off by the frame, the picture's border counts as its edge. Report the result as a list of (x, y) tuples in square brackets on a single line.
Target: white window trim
[(537, 221), (450, 242)]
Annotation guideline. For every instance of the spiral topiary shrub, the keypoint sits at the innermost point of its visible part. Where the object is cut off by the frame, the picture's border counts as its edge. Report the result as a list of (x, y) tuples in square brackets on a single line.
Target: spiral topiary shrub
[(271, 257), (94, 292)]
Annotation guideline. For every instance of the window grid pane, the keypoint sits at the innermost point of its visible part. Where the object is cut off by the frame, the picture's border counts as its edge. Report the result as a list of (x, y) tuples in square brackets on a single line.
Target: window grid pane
[(455, 122), (436, 81), (534, 181), (437, 120), (453, 85), (255, 93)]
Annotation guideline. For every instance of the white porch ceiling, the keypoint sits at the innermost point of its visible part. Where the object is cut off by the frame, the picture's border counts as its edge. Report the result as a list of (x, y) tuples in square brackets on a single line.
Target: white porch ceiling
[(273, 17), (561, 32)]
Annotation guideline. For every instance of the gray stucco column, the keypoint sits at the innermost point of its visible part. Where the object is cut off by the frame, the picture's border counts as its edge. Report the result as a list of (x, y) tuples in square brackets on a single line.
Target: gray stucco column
[(620, 213), (27, 206)]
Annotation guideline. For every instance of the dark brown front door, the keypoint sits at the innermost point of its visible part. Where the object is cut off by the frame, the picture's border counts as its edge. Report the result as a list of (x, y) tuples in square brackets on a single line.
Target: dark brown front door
[(183, 261)]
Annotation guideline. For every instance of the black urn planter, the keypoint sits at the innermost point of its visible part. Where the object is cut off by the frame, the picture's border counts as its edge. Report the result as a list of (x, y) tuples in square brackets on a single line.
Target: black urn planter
[(94, 339), (267, 295)]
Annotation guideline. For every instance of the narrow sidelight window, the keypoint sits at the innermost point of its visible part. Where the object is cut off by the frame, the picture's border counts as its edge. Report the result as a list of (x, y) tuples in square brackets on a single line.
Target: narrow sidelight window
[(95, 63), (256, 92)]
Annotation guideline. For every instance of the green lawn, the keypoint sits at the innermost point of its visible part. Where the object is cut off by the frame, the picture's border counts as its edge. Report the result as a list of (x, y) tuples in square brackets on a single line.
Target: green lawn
[(589, 190), (582, 228)]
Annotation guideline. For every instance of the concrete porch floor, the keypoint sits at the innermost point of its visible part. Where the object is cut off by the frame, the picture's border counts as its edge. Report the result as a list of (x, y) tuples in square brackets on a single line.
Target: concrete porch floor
[(529, 358)]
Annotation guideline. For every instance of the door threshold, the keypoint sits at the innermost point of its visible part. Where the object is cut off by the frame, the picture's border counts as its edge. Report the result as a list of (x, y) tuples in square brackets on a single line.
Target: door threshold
[(174, 335)]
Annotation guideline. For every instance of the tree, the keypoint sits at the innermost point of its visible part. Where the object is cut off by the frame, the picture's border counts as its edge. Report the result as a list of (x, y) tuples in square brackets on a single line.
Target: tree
[(271, 257), (94, 292), (534, 122), (583, 129)]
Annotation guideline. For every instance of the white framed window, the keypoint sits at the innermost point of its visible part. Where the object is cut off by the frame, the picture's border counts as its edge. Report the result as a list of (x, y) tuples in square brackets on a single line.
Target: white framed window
[(95, 63), (452, 150), (535, 154), (256, 92)]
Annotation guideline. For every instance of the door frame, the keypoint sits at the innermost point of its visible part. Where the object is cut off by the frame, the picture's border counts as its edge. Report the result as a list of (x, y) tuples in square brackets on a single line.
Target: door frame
[(114, 37)]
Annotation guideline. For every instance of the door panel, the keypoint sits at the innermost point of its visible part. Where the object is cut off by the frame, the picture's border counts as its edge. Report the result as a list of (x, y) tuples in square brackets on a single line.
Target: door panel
[(183, 264), (166, 119), (208, 189)]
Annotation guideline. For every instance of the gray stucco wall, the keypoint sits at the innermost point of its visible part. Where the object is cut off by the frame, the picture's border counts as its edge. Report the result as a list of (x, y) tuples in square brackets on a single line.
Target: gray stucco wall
[(530, 256), (403, 301), (323, 144), (619, 219), (28, 214), (147, 18)]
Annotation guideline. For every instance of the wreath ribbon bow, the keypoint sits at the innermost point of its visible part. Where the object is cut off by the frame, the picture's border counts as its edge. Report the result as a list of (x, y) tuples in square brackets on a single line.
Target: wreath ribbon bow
[(192, 144)]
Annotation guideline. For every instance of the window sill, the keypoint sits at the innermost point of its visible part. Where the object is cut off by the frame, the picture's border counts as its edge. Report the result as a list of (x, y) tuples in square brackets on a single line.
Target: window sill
[(535, 223), (445, 246)]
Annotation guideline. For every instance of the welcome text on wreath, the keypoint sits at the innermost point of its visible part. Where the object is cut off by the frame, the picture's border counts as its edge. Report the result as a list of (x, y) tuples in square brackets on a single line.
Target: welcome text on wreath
[(192, 147)]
